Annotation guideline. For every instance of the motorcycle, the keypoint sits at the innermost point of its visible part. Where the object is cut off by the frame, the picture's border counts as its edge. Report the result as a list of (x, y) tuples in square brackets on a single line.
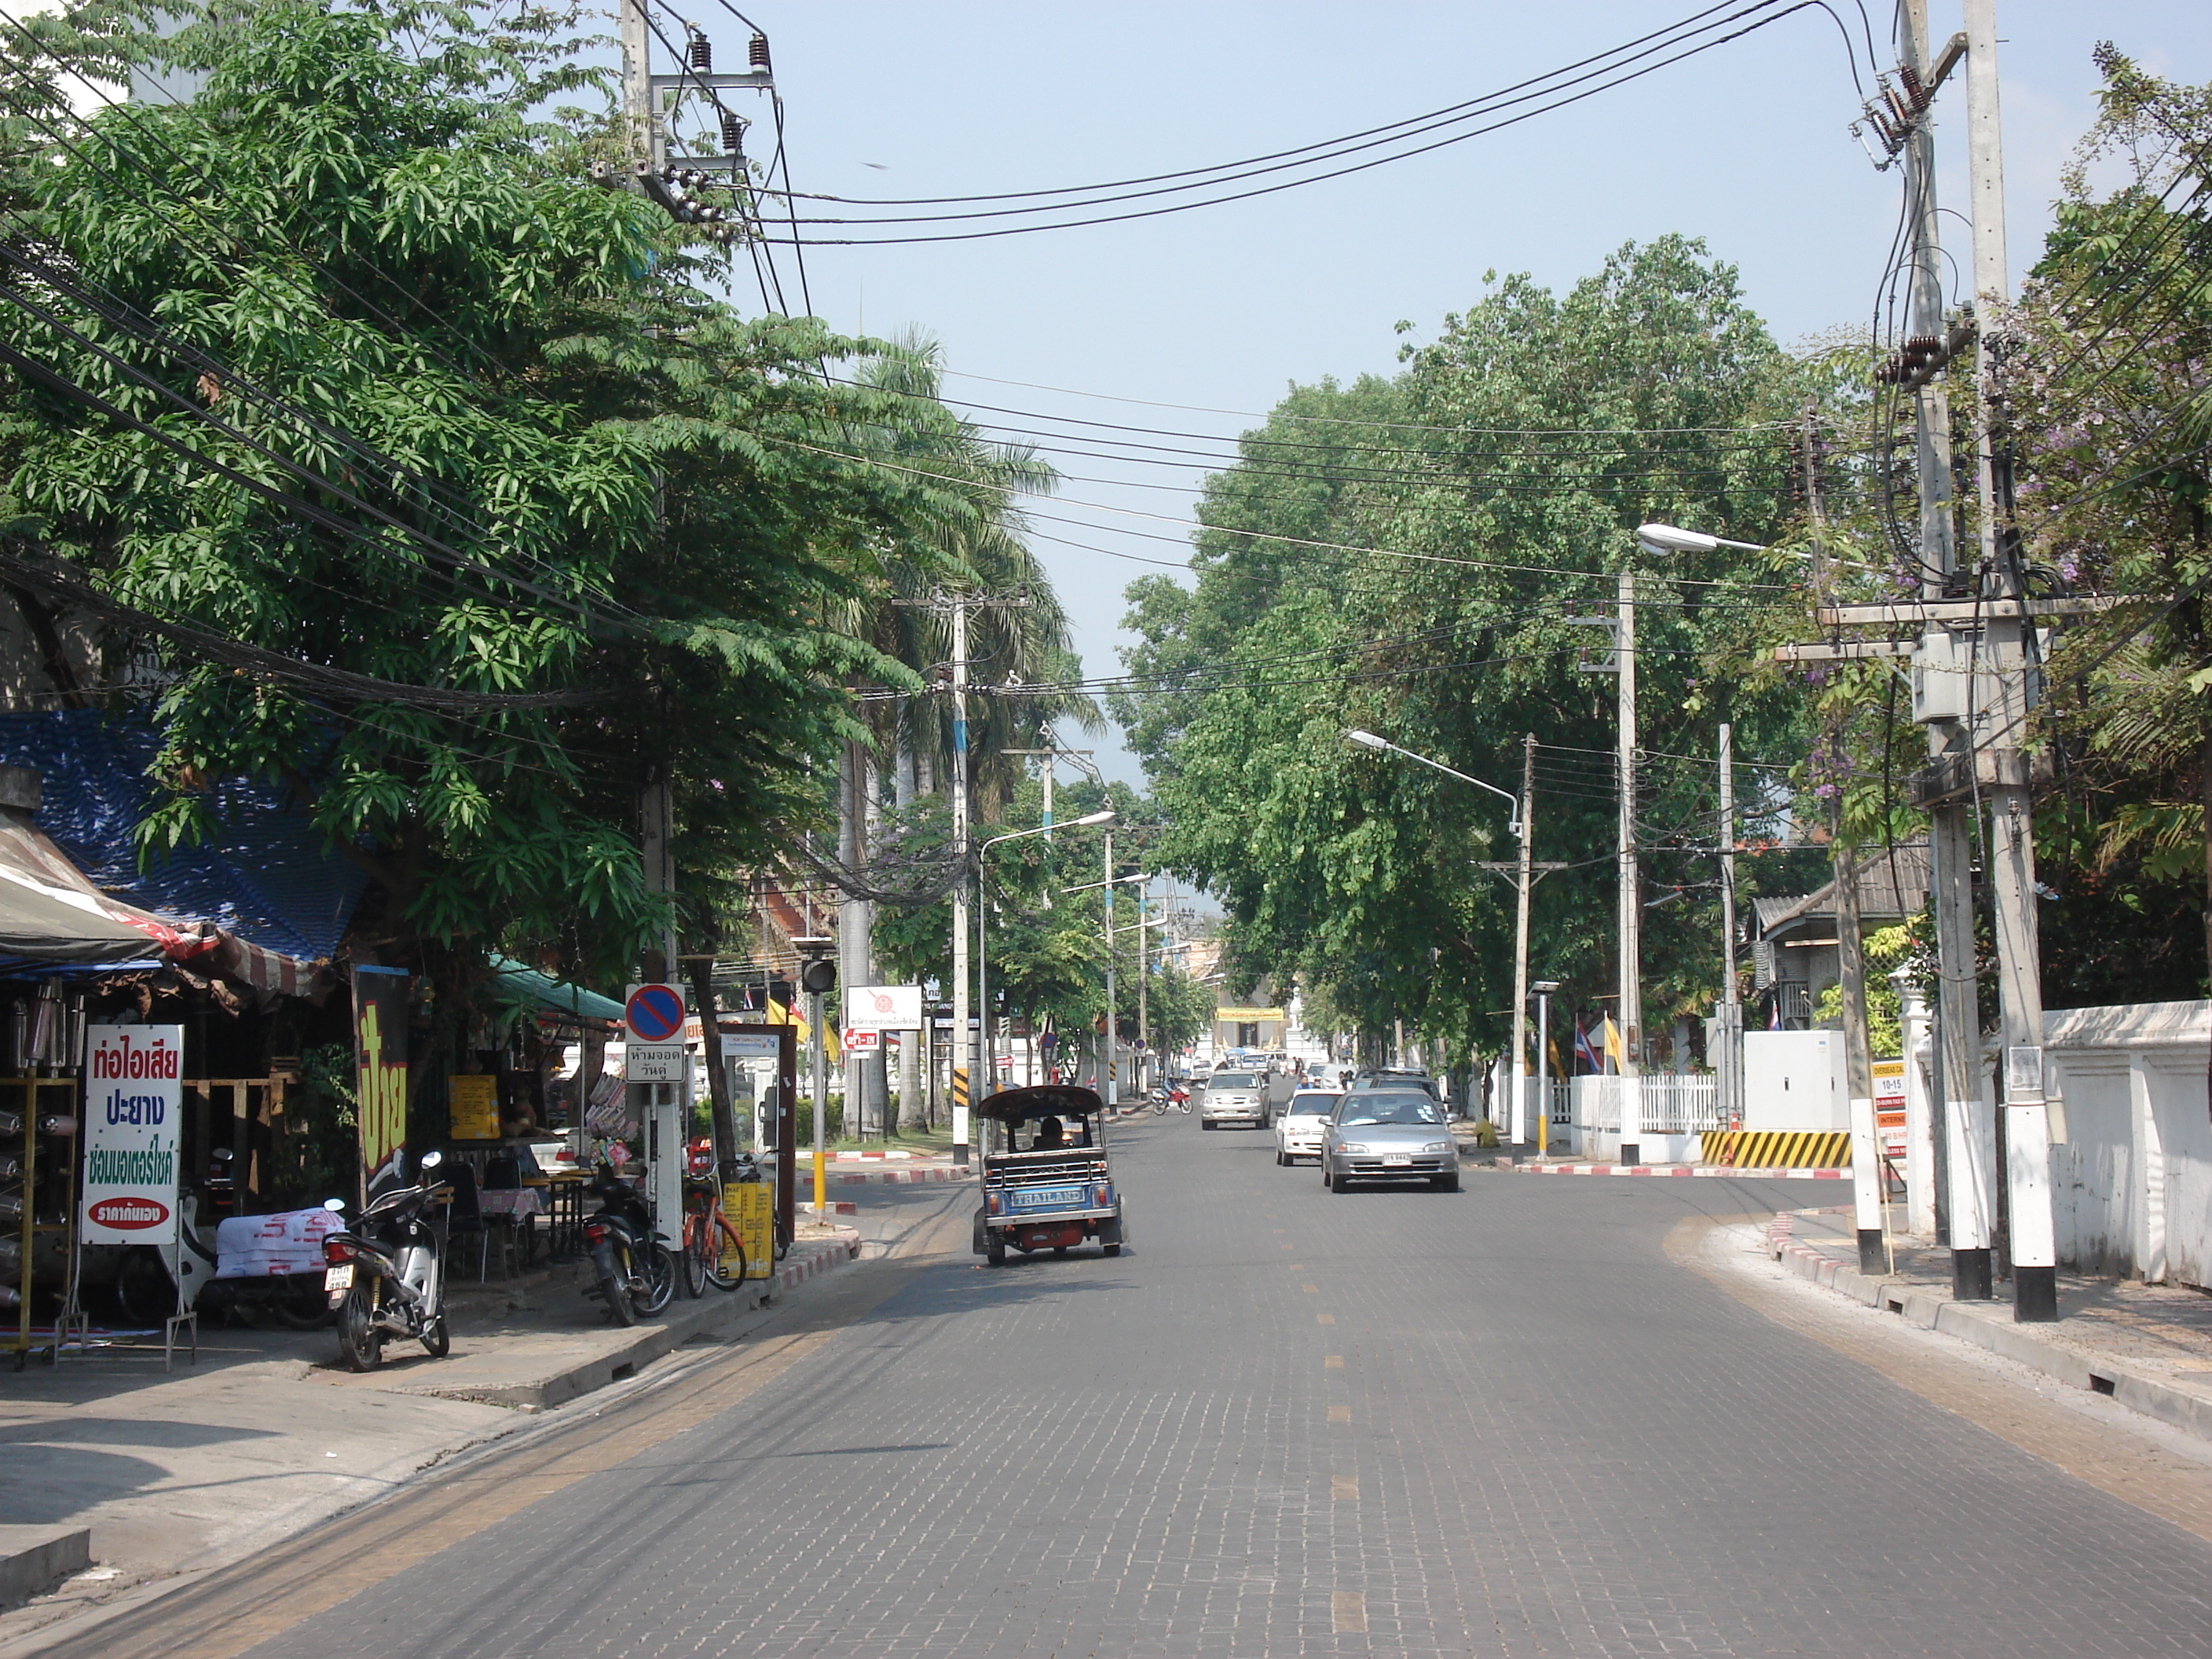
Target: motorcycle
[(386, 1274), (632, 1263)]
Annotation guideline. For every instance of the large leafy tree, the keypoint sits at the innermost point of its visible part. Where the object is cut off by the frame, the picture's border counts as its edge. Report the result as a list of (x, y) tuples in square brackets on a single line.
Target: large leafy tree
[(2105, 383), (344, 360), (1505, 471)]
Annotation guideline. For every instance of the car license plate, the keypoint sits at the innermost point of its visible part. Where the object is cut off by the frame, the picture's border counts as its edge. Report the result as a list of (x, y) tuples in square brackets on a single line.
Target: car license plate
[(339, 1277), (1049, 1198), (1397, 1158)]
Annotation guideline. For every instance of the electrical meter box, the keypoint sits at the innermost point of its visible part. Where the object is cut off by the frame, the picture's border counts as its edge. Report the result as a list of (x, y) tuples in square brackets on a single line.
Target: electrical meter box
[(1939, 678)]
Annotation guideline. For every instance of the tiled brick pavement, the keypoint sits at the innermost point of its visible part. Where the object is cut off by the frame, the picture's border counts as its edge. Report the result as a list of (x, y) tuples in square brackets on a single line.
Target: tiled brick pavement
[(1554, 1441)]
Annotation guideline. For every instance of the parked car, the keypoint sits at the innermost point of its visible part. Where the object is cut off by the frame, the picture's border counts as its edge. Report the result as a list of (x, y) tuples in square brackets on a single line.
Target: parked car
[(1304, 1118), (1235, 1097), (1395, 1135)]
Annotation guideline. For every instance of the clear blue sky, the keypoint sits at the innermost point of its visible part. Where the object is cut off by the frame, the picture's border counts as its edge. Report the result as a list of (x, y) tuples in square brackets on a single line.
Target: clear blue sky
[(1224, 307)]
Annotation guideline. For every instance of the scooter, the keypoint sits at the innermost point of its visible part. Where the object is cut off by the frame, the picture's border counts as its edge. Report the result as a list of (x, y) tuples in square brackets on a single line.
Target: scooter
[(635, 1268), (385, 1275)]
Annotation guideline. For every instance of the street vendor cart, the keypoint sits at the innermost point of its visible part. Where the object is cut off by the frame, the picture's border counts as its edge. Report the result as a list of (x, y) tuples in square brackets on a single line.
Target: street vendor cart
[(1046, 1181)]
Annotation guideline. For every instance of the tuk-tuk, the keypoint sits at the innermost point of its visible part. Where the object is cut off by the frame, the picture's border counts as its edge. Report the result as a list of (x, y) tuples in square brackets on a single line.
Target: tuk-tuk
[(1046, 1182)]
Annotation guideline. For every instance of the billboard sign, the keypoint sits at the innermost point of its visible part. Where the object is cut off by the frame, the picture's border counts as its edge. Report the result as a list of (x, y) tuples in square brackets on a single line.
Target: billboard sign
[(883, 1007), (134, 1099), (379, 1026)]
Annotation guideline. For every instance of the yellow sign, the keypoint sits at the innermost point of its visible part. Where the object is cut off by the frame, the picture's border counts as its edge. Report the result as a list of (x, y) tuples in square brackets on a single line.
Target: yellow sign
[(959, 1086), (1250, 1016), (474, 1109), (749, 1207)]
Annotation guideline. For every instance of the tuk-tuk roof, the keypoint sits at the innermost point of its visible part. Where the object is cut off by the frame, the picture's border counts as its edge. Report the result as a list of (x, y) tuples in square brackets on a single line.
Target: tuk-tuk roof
[(1042, 1100)]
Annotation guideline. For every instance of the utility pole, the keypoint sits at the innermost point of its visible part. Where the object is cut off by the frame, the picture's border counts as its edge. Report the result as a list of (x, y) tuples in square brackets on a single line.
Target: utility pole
[(963, 1047), (1516, 1124), (1963, 1209), (2026, 1141), (638, 113), (1144, 1026), (1111, 1079), (1851, 961), (1632, 917), (1730, 1069)]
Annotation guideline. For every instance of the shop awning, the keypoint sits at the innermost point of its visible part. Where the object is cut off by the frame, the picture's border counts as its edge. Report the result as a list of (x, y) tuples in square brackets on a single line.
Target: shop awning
[(552, 995), (263, 903)]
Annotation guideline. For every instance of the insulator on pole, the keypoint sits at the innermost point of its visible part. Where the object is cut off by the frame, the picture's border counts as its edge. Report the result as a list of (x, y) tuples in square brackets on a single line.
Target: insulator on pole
[(701, 53), (733, 134), (756, 53)]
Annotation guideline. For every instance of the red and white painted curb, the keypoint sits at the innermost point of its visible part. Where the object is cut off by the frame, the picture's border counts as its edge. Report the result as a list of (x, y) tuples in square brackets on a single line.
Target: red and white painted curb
[(927, 1172), (805, 1260), (1673, 1169), (863, 1157)]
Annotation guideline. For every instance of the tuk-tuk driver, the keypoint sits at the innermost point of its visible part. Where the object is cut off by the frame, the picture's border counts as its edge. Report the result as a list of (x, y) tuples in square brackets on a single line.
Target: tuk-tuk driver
[(1050, 1137)]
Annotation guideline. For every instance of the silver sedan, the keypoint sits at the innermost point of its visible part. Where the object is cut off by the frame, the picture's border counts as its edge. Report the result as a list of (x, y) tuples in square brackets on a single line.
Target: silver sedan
[(1393, 1134)]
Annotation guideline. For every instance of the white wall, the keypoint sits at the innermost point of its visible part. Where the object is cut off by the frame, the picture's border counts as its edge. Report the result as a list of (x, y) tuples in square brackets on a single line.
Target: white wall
[(2132, 1181), (1793, 1080)]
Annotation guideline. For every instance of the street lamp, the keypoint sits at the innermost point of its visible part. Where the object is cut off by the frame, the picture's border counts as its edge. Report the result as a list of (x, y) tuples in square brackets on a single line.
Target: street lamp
[(1516, 1122), (1543, 988), (1369, 740), (983, 934)]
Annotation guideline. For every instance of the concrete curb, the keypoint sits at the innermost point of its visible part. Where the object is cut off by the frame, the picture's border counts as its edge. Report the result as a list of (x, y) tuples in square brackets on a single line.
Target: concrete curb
[(682, 1323), (1990, 1326), (34, 1559), (1672, 1170), (837, 1177)]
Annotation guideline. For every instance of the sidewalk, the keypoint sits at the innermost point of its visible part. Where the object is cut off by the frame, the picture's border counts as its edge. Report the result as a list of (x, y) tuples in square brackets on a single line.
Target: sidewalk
[(265, 1434), (2149, 1346)]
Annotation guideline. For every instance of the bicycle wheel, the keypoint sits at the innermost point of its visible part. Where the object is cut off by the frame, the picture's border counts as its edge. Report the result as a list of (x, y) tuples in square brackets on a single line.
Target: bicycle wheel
[(699, 1243), (725, 1237)]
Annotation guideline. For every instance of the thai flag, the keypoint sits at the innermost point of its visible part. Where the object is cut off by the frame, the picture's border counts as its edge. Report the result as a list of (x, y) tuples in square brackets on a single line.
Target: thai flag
[(1586, 1058)]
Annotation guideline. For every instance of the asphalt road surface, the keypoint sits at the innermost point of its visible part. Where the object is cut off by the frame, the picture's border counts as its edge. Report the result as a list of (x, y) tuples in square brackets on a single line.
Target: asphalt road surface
[(1503, 1421)]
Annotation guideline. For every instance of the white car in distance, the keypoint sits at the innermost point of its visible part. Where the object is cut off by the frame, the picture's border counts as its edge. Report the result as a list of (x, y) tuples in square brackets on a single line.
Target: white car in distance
[(1298, 1129)]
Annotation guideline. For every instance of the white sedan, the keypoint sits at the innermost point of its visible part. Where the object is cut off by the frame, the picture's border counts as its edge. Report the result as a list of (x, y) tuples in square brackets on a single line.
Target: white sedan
[(1298, 1130)]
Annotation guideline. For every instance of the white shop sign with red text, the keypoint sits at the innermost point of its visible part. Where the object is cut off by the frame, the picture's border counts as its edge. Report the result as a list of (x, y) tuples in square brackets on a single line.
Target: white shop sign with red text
[(134, 1099)]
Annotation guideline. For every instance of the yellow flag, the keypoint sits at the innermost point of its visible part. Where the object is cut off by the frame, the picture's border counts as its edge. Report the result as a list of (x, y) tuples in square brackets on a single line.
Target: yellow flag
[(1613, 1051)]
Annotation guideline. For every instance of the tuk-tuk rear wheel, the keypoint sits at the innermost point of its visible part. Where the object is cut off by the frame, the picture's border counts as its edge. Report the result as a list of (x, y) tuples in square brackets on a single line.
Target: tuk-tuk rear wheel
[(995, 1250)]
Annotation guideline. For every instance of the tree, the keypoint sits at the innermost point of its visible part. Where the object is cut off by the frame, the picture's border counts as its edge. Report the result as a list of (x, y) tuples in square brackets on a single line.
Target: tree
[(2104, 384), (1505, 471), (345, 361)]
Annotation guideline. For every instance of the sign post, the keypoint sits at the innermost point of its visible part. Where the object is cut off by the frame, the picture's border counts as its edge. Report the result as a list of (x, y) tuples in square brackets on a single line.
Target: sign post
[(654, 1055)]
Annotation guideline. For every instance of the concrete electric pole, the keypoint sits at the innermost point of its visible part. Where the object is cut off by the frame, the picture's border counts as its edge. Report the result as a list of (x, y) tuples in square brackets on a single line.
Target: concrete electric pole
[(2025, 1140), (963, 1047), (1729, 1070), (1517, 1126), (1632, 914)]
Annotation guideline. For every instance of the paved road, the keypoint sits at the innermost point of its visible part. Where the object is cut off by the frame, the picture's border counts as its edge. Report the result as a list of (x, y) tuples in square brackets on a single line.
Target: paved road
[(1286, 1422)]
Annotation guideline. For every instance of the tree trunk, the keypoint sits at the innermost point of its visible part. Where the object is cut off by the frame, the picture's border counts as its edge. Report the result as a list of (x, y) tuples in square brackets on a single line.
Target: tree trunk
[(718, 1074)]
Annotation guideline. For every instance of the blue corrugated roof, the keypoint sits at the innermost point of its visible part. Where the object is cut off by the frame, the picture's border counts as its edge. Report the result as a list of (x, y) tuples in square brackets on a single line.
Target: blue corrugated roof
[(265, 876)]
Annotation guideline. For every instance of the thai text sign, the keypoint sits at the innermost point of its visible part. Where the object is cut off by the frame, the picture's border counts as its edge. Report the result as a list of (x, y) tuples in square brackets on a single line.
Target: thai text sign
[(134, 1097), (380, 1024), (883, 1007)]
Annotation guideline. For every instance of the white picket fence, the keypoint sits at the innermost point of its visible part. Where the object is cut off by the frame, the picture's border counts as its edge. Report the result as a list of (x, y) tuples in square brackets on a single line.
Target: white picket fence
[(1667, 1104)]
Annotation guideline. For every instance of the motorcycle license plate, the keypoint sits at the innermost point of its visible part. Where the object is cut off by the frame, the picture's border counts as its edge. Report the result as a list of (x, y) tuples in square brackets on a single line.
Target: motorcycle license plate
[(338, 1278), (1396, 1158)]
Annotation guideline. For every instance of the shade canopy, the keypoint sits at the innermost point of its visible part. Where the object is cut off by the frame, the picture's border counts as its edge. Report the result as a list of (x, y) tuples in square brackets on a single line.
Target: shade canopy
[(1011, 1106)]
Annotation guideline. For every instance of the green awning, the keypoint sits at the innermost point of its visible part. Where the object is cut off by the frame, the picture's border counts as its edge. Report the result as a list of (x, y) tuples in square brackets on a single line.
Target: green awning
[(552, 994)]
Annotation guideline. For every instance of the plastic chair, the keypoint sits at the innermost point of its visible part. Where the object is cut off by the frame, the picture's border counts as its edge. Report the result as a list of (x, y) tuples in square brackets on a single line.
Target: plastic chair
[(465, 1217)]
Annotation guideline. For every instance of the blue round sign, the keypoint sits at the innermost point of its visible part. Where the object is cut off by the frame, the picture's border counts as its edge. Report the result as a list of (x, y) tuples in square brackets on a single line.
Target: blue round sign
[(655, 1013)]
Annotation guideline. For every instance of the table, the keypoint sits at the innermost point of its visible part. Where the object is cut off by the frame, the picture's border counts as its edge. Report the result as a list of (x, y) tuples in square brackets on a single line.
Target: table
[(563, 1210)]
